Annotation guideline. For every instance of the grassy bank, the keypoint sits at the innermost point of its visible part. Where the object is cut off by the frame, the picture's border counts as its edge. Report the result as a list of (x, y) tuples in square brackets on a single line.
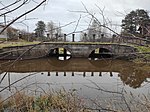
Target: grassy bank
[(143, 49), (2, 39), (19, 43), (145, 54), (61, 101)]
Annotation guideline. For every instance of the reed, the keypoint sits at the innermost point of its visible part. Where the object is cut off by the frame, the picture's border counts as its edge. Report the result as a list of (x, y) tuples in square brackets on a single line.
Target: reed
[(60, 101)]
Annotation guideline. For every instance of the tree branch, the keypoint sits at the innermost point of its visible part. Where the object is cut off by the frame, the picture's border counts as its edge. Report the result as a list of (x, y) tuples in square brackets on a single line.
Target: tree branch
[(22, 16), (14, 8), (10, 5)]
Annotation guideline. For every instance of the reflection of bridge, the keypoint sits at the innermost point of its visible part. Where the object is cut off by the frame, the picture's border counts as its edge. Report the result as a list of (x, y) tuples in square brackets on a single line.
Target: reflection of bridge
[(77, 49), (128, 71), (72, 65)]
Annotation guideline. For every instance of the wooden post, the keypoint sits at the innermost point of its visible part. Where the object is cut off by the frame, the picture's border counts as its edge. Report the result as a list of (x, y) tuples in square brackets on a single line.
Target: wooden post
[(100, 73), (64, 73), (48, 74), (72, 73), (94, 37), (48, 36), (73, 36), (111, 74), (113, 38), (64, 37), (85, 36), (84, 74), (56, 73), (56, 35), (102, 37)]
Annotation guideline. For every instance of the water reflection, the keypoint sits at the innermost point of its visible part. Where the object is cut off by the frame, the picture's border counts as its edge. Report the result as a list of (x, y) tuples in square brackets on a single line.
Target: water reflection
[(129, 73), (57, 80), (94, 80), (134, 78)]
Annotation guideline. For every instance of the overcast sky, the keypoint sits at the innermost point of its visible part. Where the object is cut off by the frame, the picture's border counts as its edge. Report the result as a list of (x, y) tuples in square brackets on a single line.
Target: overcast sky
[(60, 12)]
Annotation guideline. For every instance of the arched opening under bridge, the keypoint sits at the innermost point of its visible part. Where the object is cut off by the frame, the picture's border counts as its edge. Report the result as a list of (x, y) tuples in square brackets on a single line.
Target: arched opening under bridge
[(60, 53), (100, 53)]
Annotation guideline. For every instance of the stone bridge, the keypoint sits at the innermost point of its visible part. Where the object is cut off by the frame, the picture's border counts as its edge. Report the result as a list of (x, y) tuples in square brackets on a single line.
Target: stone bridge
[(77, 49)]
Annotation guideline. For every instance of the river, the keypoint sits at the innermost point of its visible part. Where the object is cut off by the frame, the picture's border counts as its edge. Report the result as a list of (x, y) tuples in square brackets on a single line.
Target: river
[(92, 79)]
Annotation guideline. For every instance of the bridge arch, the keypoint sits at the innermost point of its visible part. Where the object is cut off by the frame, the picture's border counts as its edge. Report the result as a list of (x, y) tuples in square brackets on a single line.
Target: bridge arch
[(60, 52), (100, 53), (85, 49), (103, 46)]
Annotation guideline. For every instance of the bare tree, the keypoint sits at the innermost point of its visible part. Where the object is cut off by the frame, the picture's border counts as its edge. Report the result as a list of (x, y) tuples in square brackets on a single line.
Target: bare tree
[(53, 30), (94, 29), (15, 9), (50, 31)]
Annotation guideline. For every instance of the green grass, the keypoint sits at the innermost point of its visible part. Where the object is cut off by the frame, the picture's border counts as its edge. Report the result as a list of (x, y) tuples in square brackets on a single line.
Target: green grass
[(143, 57), (143, 49), (22, 43), (9, 44), (80, 42), (85, 43), (2, 39)]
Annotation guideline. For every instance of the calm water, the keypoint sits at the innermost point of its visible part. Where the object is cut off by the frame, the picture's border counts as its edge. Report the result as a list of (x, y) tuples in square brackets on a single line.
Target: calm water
[(79, 74)]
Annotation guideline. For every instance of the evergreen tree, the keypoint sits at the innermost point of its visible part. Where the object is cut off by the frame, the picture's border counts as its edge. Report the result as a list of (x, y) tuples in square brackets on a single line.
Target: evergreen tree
[(40, 29), (133, 20)]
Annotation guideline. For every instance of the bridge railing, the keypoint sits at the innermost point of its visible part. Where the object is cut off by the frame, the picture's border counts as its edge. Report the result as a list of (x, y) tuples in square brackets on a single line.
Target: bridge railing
[(103, 38), (124, 39), (134, 41)]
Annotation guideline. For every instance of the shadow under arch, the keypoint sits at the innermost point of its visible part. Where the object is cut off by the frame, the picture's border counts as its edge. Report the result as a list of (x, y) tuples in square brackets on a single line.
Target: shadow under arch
[(59, 57), (100, 53), (60, 53)]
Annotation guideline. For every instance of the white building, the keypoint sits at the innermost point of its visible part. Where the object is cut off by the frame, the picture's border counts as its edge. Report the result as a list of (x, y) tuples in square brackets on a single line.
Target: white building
[(10, 31), (3, 34)]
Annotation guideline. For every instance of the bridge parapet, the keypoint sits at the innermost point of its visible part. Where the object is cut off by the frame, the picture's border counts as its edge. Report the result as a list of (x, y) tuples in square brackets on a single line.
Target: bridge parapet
[(80, 49), (77, 49)]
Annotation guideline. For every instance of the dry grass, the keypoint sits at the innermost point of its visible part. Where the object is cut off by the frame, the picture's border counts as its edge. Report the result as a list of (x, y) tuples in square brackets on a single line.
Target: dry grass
[(53, 102), (63, 101)]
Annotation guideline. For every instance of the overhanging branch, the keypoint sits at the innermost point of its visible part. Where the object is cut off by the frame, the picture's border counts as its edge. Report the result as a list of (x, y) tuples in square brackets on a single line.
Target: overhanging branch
[(21, 16)]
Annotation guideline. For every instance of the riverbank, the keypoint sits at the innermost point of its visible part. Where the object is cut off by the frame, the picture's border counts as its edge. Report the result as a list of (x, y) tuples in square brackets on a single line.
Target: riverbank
[(144, 54), (60, 101), (17, 43), (70, 101)]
